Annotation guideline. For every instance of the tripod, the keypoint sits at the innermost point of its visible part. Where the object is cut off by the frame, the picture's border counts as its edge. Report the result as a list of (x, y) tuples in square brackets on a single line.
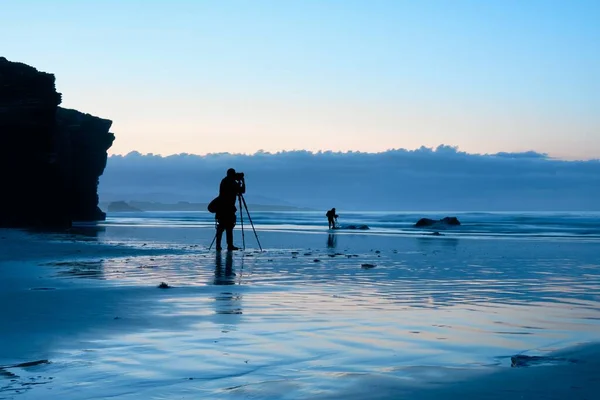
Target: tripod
[(242, 200)]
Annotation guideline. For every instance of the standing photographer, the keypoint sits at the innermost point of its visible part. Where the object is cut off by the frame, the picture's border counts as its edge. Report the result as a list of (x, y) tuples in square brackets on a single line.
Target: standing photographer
[(231, 187), (331, 218)]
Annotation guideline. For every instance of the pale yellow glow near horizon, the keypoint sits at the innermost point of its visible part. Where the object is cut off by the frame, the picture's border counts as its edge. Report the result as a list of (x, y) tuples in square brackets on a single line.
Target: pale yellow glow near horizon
[(246, 128), (203, 118)]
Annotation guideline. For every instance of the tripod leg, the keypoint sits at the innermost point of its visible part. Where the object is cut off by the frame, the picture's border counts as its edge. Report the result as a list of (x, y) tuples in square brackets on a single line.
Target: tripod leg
[(242, 221), (214, 238), (251, 223)]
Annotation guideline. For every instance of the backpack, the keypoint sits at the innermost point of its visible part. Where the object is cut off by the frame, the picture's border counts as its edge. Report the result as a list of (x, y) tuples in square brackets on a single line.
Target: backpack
[(213, 206)]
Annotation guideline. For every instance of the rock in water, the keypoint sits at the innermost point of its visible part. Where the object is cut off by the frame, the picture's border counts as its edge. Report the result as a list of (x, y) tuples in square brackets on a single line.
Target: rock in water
[(450, 221), (520, 361), (50, 158), (446, 221)]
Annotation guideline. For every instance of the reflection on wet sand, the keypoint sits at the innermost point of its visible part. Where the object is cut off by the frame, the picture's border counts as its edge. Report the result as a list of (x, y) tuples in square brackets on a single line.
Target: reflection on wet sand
[(434, 241), (226, 302), (89, 232), (80, 269), (331, 241), (82, 233), (317, 326)]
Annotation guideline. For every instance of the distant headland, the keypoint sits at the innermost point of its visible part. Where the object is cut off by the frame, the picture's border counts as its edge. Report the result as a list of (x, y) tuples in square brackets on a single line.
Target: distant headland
[(140, 206)]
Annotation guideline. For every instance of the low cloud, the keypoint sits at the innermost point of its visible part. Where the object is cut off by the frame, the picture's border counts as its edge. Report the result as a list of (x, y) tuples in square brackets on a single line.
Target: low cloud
[(443, 178)]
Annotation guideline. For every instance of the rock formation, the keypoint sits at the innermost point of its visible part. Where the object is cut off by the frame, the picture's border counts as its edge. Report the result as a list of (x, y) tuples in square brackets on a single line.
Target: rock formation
[(446, 221), (50, 157)]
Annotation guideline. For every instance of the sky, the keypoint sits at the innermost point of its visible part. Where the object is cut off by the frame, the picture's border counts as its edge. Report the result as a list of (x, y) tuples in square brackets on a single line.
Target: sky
[(241, 76)]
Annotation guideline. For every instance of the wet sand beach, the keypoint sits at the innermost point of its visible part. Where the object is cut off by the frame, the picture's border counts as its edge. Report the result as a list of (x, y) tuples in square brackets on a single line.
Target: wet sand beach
[(315, 315)]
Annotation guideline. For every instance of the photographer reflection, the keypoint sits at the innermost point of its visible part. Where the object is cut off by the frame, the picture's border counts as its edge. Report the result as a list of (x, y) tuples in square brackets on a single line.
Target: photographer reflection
[(227, 276), (226, 302), (331, 241), (231, 187)]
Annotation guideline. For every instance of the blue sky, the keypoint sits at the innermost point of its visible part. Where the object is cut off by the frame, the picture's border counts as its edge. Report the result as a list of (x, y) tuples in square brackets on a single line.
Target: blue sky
[(212, 76)]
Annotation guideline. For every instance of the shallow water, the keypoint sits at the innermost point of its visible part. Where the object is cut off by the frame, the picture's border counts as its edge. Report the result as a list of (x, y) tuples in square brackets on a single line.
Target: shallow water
[(581, 225), (304, 319)]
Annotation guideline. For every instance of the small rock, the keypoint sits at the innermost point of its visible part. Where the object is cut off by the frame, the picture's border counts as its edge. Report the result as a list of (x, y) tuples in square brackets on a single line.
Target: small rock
[(316, 260), (528, 361), (164, 285), (29, 364), (367, 266)]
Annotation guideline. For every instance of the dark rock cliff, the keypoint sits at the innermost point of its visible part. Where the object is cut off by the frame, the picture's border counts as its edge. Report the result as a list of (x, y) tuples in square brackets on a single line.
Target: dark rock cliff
[(50, 158)]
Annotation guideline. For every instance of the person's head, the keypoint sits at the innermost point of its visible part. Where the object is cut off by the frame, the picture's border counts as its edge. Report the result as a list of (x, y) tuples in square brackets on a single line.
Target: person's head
[(333, 209), (231, 173)]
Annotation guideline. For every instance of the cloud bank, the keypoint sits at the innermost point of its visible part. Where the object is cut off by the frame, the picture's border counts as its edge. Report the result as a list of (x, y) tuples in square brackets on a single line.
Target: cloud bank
[(425, 179)]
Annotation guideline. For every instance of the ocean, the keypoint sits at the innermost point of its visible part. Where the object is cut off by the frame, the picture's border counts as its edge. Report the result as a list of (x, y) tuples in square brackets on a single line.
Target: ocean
[(566, 225)]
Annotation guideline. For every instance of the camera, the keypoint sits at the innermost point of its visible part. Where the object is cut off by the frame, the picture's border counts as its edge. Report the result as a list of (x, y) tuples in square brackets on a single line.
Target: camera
[(239, 176)]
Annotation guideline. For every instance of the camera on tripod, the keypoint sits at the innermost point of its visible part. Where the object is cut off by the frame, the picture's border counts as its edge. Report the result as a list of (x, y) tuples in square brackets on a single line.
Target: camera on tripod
[(239, 176)]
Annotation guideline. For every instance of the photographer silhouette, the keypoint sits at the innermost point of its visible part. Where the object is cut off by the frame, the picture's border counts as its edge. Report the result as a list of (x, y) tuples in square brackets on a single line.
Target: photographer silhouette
[(231, 187), (331, 218)]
